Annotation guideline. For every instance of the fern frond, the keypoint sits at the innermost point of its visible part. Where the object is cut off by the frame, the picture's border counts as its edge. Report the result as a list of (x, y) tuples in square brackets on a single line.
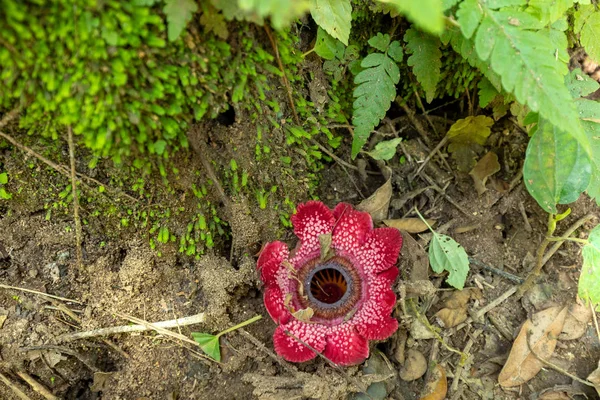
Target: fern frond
[(426, 60), (375, 90), (513, 43)]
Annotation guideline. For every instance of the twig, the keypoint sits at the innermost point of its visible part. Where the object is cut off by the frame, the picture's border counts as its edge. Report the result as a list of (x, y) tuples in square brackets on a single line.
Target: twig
[(339, 160), (9, 116), (540, 257), (274, 356), (40, 293), (18, 392), (567, 233), (435, 187), (61, 169), (430, 156), (284, 78), (482, 311), (556, 367), (499, 272), (78, 231), (36, 386), (63, 350), (417, 124), (461, 365), (595, 320), (525, 219), (143, 326)]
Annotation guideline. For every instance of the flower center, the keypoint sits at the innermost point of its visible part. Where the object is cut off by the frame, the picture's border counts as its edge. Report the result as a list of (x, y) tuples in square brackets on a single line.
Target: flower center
[(331, 288), (328, 285)]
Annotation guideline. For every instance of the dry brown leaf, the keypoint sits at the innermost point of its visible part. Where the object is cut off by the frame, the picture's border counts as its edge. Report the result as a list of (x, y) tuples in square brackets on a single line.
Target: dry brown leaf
[(416, 258), (436, 386), (486, 167), (410, 225), (2, 319), (378, 203), (594, 377), (455, 308), (578, 316), (539, 334), (414, 367)]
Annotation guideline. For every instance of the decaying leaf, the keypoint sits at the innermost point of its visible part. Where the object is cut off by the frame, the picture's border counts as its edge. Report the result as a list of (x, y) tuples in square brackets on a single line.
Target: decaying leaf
[(466, 137), (576, 322), (378, 203), (304, 315), (325, 243), (410, 225), (455, 307), (486, 167), (414, 367), (436, 386), (594, 377), (539, 334)]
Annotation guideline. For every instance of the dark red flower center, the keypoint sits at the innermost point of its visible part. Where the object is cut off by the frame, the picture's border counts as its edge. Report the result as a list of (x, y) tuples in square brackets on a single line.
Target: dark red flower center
[(331, 288)]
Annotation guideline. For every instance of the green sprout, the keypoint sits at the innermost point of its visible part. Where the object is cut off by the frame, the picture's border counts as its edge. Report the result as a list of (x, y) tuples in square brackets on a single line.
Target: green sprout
[(210, 343)]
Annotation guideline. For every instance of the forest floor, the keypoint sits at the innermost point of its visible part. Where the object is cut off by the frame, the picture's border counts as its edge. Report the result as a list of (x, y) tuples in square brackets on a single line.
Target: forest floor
[(122, 276)]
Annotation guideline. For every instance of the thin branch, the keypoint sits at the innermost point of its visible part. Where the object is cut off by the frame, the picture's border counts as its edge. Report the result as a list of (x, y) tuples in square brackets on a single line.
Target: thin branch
[(36, 386), (78, 230), (39, 293), (567, 233), (142, 326), (18, 392)]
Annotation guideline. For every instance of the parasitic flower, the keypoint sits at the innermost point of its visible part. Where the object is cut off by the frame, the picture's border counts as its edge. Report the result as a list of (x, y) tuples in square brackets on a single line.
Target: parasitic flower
[(333, 292)]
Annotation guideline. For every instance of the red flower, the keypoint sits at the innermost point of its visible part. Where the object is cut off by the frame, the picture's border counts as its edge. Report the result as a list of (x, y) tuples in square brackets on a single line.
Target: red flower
[(349, 290)]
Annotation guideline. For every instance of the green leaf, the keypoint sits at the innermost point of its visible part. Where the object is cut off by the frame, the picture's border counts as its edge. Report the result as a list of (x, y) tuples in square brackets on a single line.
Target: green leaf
[(209, 344), (580, 84), (4, 194), (427, 14), (469, 16), (549, 11), (589, 280), (509, 41), (380, 41), (214, 21), (445, 254), (327, 46), (3, 178), (395, 51), (487, 92), (179, 13), (425, 59), (163, 235), (282, 12), (557, 169), (335, 16), (375, 90), (385, 150), (471, 130), (590, 119), (590, 36), (159, 147)]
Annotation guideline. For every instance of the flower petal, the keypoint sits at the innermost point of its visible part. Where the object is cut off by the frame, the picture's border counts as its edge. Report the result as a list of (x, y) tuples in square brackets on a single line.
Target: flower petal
[(272, 251), (351, 227), (378, 330), (373, 320), (269, 270), (291, 349), (274, 303), (312, 219), (380, 250), (389, 275), (346, 346)]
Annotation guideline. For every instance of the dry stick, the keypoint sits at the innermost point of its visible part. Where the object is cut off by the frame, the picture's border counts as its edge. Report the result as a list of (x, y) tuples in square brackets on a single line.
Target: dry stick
[(60, 168), (63, 350), (417, 124), (484, 310), (461, 366), (595, 320), (274, 356), (556, 367), (36, 386), (40, 293), (13, 387), (430, 156), (449, 199), (567, 233), (542, 258), (143, 326), (339, 160), (284, 78), (494, 270), (78, 231)]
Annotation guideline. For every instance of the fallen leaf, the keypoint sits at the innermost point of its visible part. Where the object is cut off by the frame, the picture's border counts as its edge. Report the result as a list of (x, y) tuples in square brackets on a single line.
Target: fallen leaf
[(419, 330), (325, 243), (455, 309), (2, 319), (486, 167), (539, 334), (471, 130), (378, 203), (436, 386), (414, 367), (594, 377), (304, 315), (415, 256), (576, 322), (410, 225)]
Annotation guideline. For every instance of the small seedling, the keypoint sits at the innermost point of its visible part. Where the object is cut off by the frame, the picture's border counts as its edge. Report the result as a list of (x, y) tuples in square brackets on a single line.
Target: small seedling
[(210, 343)]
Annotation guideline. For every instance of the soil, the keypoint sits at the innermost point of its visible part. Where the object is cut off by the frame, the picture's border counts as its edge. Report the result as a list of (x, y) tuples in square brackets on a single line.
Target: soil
[(122, 276)]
